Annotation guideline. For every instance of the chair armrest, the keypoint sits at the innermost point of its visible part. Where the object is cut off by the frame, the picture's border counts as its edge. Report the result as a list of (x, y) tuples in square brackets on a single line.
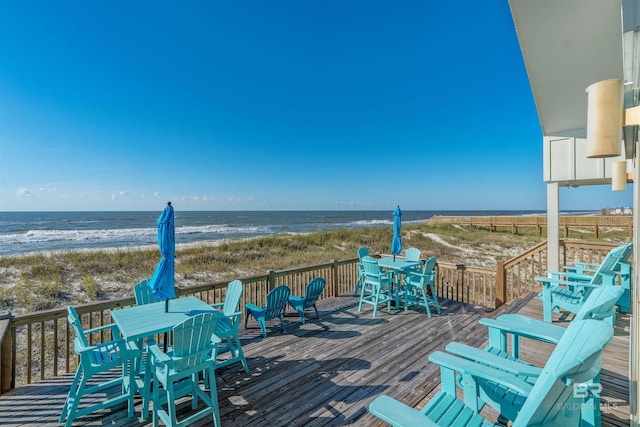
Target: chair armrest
[(397, 413), (552, 280), (156, 353), (218, 304), (475, 369), (489, 359), (525, 327), (567, 275), (114, 329)]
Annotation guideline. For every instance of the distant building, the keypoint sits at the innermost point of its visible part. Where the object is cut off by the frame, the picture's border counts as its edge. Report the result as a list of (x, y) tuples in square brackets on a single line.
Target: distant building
[(616, 211)]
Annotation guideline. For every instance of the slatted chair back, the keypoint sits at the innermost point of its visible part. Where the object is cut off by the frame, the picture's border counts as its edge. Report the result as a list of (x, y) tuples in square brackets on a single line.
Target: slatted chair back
[(192, 342), (412, 254), (576, 359), (429, 266), (277, 301), (143, 294), (608, 268), (313, 291), (232, 298), (601, 303), (177, 371), (308, 300), (371, 270), (363, 252)]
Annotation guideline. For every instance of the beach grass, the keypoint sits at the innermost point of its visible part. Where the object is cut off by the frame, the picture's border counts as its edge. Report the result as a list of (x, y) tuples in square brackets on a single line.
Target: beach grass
[(40, 281)]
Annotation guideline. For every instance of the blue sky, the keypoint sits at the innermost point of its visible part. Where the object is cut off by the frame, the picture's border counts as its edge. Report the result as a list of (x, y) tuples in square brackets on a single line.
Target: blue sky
[(254, 105)]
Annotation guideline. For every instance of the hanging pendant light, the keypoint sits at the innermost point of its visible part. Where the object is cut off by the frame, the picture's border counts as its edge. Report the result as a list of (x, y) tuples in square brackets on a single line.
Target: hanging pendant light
[(619, 176), (605, 118)]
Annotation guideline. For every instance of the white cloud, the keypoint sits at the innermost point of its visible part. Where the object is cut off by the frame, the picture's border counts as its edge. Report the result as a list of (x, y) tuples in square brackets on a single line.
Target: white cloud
[(113, 197), (157, 194), (24, 192), (124, 193)]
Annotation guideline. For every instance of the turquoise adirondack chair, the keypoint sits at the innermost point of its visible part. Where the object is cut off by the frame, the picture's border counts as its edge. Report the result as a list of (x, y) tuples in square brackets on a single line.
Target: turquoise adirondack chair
[(569, 293), (227, 327), (362, 252), (623, 269), (551, 401), (98, 359), (419, 287), (177, 371), (376, 287), (143, 293), (312, 292), (277, 300), (600, 306)]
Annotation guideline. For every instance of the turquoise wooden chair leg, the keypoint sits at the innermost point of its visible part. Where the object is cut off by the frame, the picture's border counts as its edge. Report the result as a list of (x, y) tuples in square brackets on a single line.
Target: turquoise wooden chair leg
[(426, 303), (263, 326)]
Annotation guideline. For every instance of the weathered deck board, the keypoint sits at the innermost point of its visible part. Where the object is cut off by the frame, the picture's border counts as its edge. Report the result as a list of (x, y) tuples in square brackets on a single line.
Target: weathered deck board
[(327, 371)]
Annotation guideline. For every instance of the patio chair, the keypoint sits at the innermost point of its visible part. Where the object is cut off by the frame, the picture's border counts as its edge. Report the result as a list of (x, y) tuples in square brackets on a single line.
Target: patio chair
[(376, 287), (277, 300), (362, 252), (98, 359), (227, 327), (412, 254), (419, 287), (599, 306), (177, 371), (551, 401), (312, 292), (623, 270), (569, 293), (143, 293)]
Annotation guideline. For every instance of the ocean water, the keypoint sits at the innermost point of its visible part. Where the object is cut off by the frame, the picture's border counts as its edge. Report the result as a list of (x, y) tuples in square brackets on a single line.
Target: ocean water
[(28, 232)]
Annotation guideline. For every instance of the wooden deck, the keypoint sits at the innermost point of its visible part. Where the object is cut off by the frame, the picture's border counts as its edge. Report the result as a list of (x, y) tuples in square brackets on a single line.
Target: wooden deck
[(328, 371)]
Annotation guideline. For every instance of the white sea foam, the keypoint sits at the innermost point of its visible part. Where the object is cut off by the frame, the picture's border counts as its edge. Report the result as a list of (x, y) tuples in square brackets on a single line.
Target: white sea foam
[(38, 236)]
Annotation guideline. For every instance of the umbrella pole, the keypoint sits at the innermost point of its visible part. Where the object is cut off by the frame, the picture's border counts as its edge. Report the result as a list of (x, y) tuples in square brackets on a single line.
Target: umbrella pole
[(166, 310)]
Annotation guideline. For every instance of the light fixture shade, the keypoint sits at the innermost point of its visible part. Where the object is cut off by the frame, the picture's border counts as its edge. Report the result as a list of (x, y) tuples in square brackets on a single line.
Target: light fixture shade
[(619, 176), (632, 116), (604, 118)]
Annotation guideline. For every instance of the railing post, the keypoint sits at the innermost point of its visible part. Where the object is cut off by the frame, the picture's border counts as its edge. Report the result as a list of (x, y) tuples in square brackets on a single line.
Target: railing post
[(7, 381), (334, 267), (501, 285), (461, 287), (272, 279)]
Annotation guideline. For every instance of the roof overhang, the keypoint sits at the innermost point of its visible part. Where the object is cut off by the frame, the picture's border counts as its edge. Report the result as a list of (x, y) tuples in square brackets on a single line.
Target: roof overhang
[(568, 45)]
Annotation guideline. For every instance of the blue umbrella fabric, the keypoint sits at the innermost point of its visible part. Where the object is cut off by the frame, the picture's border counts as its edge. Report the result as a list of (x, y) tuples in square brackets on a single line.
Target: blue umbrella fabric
[(162, 282), (396, 243)]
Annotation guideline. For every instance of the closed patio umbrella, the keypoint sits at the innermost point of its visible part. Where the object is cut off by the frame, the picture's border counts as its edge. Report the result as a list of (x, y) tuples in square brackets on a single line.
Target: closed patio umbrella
[(396, 243), (162, 282)]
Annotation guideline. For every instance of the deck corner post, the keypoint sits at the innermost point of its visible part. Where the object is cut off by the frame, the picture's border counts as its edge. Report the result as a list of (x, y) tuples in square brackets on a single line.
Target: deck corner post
[(7, 381), (501, 285)]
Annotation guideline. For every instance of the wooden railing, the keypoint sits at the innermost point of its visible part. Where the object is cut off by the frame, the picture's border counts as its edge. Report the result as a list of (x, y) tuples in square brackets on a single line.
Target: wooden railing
[(39, 345), (567, 222)]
